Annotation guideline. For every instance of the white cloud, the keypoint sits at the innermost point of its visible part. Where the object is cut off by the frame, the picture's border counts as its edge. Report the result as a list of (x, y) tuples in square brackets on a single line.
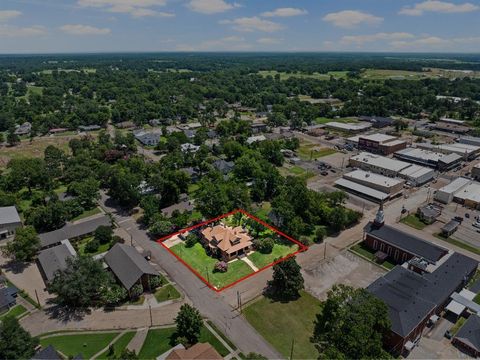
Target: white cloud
[(15, 31), (285, 12), (136, 8), (382, 36), (438, 7), (211, 6), (6, 15), (254, 23), (269, 41), (352, 18), (78, 29)]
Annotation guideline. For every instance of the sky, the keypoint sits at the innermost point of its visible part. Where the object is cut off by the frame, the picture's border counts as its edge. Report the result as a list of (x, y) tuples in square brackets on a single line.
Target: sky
[(71, 26)]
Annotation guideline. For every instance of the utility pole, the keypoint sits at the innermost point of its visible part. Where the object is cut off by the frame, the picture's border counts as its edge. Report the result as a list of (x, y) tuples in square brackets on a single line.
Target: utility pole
[(325, 250), (151, 318), (36, 295), (131, 239), (291, 350)]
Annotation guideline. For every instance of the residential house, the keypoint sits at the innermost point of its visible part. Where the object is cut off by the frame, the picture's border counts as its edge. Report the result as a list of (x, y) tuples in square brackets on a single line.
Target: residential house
[(9, 221), (8, 297), (128, 266), (125, 125), (54, 259), (223, 166), (254, 139), (24, 129), (73, 231), (467, 339), (199, 351), (227, 242), (429, 213), (148, 138), (184, 205), (189, 148)]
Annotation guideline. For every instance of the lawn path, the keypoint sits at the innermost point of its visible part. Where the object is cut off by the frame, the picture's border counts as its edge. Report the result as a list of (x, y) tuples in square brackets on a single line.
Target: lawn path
[(224, 343), (137, 341), (249, 263), (108, 345)]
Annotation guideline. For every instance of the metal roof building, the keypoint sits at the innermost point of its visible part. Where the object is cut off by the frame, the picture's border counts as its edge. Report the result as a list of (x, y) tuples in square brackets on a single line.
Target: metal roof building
[(362, 190)]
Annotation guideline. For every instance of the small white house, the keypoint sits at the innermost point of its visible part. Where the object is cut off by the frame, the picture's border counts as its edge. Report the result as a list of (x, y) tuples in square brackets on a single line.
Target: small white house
[(9, 221)]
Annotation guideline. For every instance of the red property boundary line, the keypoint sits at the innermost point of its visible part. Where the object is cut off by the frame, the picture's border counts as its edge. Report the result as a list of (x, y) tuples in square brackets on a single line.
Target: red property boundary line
[(301, 247)]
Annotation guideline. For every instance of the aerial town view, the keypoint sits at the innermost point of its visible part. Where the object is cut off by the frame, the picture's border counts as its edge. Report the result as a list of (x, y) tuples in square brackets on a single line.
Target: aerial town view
[(220, 179)]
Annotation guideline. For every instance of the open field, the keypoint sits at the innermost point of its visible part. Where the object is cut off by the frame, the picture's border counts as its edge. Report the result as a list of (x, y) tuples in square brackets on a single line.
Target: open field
[(308, 151), (378, 74), (204, 264), (317, 76), (280, 323), (324, 120), (412, 220)]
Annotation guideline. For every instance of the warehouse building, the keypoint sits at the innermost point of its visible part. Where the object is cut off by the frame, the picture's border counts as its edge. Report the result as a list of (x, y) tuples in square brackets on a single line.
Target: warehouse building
[(446, 193), (462, 190), (436, 160), (388, 185), (362, 190), (348, 127), (414, 174), (476, 172), (378, 143), (470, 140), (467, 151)]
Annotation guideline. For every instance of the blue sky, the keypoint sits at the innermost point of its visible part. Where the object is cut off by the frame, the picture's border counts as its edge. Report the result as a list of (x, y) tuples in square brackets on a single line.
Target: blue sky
[(43, 26)]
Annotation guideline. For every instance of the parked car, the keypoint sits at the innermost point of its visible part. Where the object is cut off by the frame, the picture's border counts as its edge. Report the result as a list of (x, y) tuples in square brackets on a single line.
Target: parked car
[(324, 173), (467, 215), (458, 218), (448, 334)]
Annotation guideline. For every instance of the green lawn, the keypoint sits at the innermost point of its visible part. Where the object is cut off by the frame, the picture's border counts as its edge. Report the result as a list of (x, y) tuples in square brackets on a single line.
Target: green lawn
[(369, 254), (280, 323), (297, 170), (458, 325), (460, 244), (118, 346), (477, 299), (167, 292), (15, 311), (279, 250), (81, 244), (158, 341), (192, 188), (315, 75), (313, 151), (264, 210), (324, 120), (85, 344), (87, 213), (227, 340), (414, 221), (198, 259)]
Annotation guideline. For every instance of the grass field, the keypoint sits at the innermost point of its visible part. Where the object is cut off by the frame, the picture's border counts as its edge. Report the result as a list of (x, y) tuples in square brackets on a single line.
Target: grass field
[(167, 292), (280, 323), (279, 251), (198, 259), (414, 221), (324, 120), (158, 341), (15, 311), (87, 213), (460, 244), (81, 244), (315, 75), (118, 346), (85, 344), (369, 254), (313, 151), (379, 74)]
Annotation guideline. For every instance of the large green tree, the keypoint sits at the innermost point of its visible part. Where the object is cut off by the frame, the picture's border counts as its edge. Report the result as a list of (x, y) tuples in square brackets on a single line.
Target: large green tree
[(351, 325), (189, 323), (25, 244), (15, 342), (287, 279)]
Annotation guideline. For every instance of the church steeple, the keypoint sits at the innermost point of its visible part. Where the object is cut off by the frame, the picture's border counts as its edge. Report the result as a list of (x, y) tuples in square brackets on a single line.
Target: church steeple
[(380, 217)]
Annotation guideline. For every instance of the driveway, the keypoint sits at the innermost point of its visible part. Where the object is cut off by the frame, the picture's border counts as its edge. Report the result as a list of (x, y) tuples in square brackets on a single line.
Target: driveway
[(209, 303)]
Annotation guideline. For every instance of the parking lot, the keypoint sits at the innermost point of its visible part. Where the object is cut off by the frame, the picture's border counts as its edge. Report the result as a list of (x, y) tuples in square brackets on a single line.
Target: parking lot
[(466, 231)]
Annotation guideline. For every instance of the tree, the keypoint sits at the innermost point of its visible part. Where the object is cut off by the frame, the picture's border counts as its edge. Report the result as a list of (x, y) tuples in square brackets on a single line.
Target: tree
[(82, 283), (351, 324), (54, 160), (47, 218), (25, 245), (12, 138), (128, 355), (28, 172), (287, 279), (92, 246), (189, 323), (191, 239), (161, 227), (15, 342), (265, 246), (86, 192), (103, 234)]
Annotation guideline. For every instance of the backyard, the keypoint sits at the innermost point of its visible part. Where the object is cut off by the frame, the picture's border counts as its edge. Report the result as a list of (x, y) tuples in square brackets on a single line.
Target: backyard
[(280, 323)]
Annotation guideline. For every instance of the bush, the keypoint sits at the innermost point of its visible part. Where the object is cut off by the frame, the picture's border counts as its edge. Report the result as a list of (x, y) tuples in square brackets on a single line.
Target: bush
[(103, 234), (136, 291), (265, 246), (92, 246), (221, 266), (155, 281), (305, 240), (191, 240), (320, 234)]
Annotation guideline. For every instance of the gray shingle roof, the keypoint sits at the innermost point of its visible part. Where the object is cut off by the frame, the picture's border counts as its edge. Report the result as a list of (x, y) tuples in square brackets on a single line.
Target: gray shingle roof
[(410, 297), (53, 259), (7, 297), (71, 231), (127, 264), (407, 242), (9, 215), (469, 333), (48, 353)]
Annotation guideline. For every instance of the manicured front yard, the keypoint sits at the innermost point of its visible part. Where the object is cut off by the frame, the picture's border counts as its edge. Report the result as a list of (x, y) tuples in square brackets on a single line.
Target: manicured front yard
[(81, 244), (414, 221), (82, 343), (280, 250), (15, 311), (280, 323), (167, 292), (199, 260), (158, 341), (118, 346)]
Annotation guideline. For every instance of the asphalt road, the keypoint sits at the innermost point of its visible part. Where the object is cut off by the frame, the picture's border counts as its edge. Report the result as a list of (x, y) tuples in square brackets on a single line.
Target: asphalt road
[(207, 301)]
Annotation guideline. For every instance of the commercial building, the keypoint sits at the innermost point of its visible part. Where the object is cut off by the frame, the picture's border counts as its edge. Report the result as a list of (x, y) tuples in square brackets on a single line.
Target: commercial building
[(348, 127), (413, 174), (414, 299), (436, 160), (362, 190), (378, 121), (378, 143), (462, 190), (452, 126), (466, 151), (391, 186), (470, 140), (9, 221), (446, 193), (476, 172)]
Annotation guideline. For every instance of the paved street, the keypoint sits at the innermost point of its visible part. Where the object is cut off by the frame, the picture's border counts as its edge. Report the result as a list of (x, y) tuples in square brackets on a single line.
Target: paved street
[(210, 303)]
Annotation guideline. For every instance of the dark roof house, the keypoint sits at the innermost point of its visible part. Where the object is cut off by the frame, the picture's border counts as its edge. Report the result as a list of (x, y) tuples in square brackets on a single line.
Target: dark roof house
[(223, 166), (8, 297), (54, 259), (48, 353), (468, 337), (128, 265)]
